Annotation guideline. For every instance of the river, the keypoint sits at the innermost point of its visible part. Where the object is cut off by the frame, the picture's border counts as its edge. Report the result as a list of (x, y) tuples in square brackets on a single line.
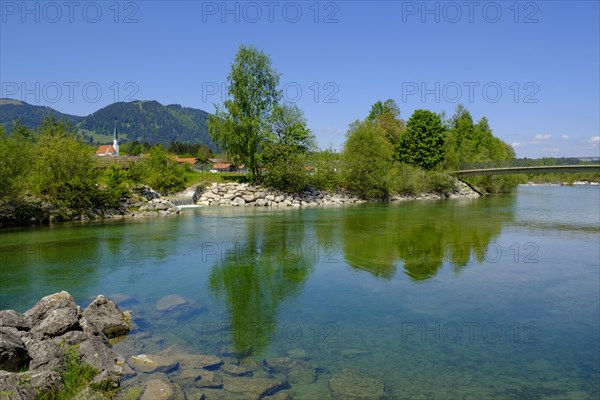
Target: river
[(497, 297)]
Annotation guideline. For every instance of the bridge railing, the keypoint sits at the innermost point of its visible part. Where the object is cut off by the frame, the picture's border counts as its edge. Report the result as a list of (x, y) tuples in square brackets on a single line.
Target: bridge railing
[(526, 162)]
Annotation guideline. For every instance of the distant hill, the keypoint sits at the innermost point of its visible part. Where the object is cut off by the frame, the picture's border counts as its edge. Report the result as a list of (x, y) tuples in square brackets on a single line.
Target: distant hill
[(144, 121), (32, 116)]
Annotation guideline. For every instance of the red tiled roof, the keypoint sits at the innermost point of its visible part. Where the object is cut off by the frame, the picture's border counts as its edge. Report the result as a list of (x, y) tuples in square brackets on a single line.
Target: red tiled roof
[(187, 160), (105, 149), (222, 165)]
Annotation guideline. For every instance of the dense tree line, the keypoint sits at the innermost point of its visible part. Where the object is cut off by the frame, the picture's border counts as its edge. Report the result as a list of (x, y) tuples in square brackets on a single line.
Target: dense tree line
[(54, 165), (382, 155)]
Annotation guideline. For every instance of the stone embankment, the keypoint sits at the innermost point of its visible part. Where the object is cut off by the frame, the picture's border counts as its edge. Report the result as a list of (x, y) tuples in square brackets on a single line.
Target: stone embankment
[(242, 194)]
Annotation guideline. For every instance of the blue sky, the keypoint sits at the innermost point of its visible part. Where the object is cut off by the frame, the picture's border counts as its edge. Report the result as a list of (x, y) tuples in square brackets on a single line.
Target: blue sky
[(532, 68)]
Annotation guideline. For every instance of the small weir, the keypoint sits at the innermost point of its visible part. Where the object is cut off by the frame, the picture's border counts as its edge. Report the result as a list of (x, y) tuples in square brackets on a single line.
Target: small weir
[(183, 201)]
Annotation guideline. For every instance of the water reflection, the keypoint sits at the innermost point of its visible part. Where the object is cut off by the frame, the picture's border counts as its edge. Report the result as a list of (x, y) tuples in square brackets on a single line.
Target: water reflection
[(421, 236), (256, 274)]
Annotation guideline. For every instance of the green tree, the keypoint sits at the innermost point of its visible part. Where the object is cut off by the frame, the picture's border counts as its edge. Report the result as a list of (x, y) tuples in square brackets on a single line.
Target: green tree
[(160, 172), (204, 152), (244, 122), (423, 142), (137, 150), (367, 159), (387, 115), (284, 151), (64, 169), (16, 156)]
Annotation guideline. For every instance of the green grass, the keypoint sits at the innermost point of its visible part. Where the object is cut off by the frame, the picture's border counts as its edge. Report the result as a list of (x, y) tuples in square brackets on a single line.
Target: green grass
[(75, 377)]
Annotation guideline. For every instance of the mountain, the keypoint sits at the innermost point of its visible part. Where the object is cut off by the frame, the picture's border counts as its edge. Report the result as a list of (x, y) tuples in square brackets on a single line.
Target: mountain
[(32, 116), (144, 121)]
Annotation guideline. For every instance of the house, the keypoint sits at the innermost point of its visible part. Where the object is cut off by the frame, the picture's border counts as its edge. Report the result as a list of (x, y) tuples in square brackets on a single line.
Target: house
[(222, 167)]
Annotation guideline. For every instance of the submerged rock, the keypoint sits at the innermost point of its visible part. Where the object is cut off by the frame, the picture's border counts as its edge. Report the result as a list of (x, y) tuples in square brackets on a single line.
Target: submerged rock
[(350, 385), (174, 303)]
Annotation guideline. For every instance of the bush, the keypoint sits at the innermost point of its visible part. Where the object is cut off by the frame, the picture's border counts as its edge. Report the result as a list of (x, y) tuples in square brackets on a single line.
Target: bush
[(323, 173), (160, 172)]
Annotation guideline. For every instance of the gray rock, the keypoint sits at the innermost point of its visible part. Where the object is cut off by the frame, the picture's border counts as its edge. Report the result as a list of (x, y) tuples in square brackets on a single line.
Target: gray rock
[(238, 201), (94, 352), (106, 316), (259, 195), (11, 318), (350, 385), (248, 197), (45, 354), (13, 353), (261, 202), (27, 385), (58, 321), (62, 300)]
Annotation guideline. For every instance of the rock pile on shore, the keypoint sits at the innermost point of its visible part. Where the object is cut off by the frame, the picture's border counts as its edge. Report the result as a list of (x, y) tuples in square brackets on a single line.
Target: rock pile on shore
[(34, 345), (242, 194)]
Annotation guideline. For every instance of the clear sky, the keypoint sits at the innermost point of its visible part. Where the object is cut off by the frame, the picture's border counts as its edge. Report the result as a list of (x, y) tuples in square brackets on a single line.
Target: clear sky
[(531, 67)]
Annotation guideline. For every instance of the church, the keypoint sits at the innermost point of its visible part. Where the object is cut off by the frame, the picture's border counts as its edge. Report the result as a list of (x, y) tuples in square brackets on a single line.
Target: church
[(107, 149)]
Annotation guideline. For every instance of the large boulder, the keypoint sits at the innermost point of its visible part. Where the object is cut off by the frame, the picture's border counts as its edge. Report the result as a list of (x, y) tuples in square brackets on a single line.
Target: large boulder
[(106, 316), (57, 321), (56, 301)]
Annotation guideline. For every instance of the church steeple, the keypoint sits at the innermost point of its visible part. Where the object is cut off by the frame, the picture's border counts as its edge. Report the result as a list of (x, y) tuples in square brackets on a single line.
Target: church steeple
[(115, 139)]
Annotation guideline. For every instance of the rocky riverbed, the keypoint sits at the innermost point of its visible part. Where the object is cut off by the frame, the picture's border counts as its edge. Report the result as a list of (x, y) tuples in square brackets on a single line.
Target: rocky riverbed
[(33, 355), (242, 194)]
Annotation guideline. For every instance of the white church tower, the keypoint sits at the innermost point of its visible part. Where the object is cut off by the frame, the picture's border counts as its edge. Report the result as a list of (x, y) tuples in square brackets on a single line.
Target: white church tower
[(115, 140)]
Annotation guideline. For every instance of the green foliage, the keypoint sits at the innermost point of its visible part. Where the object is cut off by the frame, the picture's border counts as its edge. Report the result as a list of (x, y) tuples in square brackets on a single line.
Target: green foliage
[(367, 159), (324, 170), (75, 377), (64, 168), (137, 150), (16, 155), (160, 172), (115, 179), (387, 115), (423, 142), (407, 180), (244, 122), (284, 153), (469, 142)]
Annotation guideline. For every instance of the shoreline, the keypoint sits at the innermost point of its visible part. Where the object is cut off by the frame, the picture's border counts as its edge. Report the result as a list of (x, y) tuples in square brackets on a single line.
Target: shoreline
[(147, 203)]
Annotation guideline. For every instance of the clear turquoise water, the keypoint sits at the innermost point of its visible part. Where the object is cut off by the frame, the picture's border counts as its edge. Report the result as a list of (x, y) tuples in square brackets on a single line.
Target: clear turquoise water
[(497, 297)]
